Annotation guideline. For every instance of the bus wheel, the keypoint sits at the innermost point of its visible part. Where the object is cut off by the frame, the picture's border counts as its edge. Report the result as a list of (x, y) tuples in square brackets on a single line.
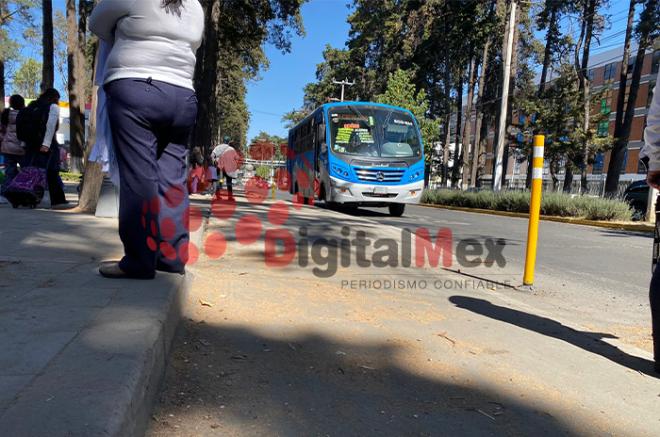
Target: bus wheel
[(397, 209)]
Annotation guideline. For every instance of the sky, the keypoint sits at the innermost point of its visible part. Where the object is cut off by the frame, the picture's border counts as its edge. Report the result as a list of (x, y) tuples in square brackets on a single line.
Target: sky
[(280, 87)]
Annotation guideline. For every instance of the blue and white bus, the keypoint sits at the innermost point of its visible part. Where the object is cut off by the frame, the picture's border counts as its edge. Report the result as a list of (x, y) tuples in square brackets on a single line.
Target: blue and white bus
[(357, 154)]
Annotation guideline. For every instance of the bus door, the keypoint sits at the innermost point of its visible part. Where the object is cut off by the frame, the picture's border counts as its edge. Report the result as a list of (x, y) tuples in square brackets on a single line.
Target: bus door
[(321, 150)]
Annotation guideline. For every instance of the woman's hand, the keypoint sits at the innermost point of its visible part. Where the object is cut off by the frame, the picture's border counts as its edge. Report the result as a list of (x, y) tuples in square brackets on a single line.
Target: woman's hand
[(44, 149)]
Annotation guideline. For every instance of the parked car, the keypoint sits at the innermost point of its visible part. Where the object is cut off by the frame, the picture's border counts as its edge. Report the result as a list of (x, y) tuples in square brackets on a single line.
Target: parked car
[(637, 195)]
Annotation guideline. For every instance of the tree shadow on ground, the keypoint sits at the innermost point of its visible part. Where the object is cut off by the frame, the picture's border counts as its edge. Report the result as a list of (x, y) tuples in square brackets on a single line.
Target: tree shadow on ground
[(589, 341), (242, 382)]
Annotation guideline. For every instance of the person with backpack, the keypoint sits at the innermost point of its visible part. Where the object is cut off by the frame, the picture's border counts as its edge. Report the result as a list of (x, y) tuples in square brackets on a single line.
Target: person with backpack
[(13, 149), (152, 108), (37, 125)]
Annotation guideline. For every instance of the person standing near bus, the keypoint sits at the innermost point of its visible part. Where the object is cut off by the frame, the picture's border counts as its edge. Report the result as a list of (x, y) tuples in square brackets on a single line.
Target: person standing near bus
[(13, 149), (152, 108), (651, 150)]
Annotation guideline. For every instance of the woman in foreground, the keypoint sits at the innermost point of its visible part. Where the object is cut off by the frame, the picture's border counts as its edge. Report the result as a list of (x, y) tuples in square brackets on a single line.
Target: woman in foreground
[(152, 109)]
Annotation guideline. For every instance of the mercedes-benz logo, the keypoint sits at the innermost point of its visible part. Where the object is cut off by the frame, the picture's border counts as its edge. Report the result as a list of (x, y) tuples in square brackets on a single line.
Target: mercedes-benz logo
[(380, 176)]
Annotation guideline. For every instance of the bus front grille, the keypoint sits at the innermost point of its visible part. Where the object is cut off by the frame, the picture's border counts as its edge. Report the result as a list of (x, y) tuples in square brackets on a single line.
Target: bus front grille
[(379, 175)]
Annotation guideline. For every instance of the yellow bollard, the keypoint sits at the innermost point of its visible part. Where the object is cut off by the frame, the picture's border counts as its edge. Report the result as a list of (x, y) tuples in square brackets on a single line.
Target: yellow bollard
[(273, 189), (534, 209)]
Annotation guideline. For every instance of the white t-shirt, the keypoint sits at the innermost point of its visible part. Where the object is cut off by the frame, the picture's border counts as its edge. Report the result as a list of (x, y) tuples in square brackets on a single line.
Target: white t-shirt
[(51, 125), (149, 40)]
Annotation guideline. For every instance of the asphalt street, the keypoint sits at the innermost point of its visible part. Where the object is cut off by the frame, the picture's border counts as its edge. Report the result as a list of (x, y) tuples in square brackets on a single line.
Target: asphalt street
[(270, 349), (611, 260), (603, 272)]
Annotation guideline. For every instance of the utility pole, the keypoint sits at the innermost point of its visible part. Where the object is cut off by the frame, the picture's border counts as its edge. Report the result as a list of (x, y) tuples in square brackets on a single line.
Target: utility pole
[(343, 84), (504, 104)]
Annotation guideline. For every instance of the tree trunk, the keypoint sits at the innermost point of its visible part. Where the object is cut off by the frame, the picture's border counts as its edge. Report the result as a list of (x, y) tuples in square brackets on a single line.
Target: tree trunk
[(93, 176), (553, 174), (624, 117), (2, 85), (84, 10), (479, 114), (207, 80), (445, 151), (586, 34), (458, 148), (48, 71), (76, 97), (568, 177), (467, 129), (550, 38)]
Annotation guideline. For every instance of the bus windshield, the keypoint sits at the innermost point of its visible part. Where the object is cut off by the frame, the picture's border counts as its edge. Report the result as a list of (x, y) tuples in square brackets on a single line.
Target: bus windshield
[(373, 131)]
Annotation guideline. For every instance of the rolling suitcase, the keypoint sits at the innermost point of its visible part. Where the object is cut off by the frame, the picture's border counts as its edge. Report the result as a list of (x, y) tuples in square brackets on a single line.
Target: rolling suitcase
[(27, 188)]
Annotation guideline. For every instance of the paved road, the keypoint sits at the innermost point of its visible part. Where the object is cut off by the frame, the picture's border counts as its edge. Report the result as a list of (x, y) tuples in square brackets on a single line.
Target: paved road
[(280, 351), (603, 273), (612, 260)]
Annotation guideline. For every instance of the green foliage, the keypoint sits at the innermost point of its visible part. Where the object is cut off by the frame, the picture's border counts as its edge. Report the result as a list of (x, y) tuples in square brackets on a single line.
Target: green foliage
[(401, 91), (15, 18), (27, 79), (70, 177), (60, 44), (552, 204), (233, 53), (292, 118), (263, 172)]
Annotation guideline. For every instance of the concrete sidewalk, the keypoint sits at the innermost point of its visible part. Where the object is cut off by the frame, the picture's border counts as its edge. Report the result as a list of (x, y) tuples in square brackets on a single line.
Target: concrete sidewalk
[(81, 355)]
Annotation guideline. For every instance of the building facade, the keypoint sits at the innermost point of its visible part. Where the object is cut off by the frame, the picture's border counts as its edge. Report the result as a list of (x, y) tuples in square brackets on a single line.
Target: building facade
[(604, 71)]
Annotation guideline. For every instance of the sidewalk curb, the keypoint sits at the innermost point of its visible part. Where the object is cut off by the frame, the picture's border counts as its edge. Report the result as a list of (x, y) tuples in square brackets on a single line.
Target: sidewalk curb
[(633, 227), (105, 381)]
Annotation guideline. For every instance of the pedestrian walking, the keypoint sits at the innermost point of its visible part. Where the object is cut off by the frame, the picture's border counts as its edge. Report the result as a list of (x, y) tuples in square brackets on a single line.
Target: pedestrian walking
[(226, 159), (13, 149), (37, 125), (152, 109), (651, 150)]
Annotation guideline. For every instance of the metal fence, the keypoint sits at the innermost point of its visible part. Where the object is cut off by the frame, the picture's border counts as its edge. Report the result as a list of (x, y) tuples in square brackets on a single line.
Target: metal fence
[(595, 186)]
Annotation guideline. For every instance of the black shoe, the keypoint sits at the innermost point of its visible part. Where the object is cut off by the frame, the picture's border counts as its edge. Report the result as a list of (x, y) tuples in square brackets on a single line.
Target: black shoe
[(62, 206), (657, 367), (167, 269), (112, 270)]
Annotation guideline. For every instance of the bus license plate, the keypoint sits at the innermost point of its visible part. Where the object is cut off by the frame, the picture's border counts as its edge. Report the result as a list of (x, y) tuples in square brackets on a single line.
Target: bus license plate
[(380, 190)]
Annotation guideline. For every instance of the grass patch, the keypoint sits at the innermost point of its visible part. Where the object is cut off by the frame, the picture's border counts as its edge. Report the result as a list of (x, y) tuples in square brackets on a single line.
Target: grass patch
[(555, 204), (70, 177)]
